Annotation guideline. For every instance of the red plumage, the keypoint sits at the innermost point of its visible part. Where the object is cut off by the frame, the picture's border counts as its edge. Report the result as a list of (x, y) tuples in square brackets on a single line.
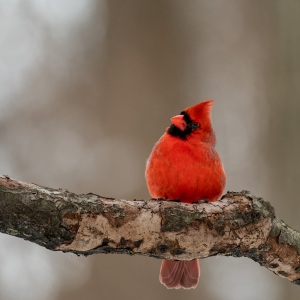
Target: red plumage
[(184, 165)]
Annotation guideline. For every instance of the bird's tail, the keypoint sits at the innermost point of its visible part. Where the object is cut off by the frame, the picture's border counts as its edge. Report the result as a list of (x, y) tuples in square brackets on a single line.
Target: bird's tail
[(176, 274)]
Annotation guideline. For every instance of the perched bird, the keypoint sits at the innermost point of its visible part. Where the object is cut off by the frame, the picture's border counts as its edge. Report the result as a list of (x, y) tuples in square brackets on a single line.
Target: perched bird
[(185, 166)]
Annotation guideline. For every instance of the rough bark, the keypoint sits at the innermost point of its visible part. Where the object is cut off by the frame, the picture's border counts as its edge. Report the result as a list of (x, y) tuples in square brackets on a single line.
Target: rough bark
[(240, 224)]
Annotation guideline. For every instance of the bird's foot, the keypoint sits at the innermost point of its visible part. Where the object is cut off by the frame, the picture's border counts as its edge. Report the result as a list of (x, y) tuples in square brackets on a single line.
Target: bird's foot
[(201, 201), (175, 200)]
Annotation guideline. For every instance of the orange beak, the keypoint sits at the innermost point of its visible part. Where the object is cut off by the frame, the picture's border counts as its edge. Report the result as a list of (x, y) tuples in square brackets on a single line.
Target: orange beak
[(179, 122)]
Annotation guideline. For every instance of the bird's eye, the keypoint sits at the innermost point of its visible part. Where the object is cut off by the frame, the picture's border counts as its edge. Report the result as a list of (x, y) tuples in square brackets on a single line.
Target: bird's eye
[(193, 126)]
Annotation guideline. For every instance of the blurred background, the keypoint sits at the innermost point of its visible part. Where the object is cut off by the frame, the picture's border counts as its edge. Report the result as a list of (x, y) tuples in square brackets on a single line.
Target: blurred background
[(88, 86)]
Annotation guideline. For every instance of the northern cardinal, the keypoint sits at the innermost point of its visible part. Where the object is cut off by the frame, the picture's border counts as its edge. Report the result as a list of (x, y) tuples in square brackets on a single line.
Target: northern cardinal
[(185, 166)]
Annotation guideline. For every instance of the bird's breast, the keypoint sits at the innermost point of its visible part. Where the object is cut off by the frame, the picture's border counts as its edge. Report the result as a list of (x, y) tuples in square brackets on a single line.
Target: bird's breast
[(178, 169)]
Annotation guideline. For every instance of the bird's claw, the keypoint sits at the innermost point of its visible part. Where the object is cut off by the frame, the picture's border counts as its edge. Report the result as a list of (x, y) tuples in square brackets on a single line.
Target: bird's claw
[(201, 201)]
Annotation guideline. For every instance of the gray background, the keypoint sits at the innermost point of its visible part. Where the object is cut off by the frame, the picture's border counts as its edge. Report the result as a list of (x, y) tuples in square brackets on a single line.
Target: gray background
[(87, 87)]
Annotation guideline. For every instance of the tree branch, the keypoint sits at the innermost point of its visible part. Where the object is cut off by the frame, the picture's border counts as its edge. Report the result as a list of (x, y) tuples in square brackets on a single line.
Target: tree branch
[(238, 225)]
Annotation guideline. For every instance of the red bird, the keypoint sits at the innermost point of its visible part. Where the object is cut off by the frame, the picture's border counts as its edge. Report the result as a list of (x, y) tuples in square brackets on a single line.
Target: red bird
[(184, 165)]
